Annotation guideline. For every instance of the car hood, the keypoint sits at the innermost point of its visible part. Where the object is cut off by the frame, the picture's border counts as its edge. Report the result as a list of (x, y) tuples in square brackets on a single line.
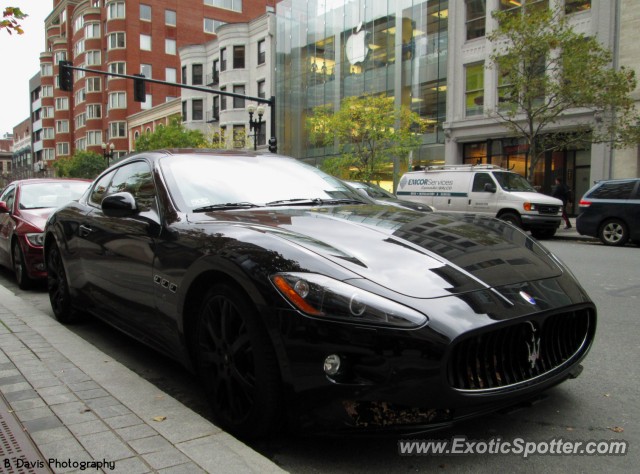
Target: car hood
[(536, 198), (421, 255), (37, 217)]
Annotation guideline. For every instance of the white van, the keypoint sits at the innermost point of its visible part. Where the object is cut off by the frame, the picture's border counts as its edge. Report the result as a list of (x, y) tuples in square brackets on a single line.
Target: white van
[(484, 189)]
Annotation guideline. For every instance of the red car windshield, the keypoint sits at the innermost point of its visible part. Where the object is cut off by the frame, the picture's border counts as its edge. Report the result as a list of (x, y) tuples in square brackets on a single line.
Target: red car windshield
[(44, 195)]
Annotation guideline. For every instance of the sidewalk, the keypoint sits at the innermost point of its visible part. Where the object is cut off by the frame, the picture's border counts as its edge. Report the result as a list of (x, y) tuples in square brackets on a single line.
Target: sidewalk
[(76, 404)]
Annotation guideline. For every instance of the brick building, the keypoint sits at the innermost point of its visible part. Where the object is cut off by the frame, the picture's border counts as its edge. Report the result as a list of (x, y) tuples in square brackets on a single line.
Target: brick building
[(127, 37), (21, 149)]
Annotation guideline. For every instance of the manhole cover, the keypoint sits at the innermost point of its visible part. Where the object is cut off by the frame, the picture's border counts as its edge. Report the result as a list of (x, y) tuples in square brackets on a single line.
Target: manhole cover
[(18, 455)]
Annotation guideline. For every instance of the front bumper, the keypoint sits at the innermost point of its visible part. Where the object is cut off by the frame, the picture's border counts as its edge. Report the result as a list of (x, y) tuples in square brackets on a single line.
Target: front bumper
[(540, 222), (33, 259)]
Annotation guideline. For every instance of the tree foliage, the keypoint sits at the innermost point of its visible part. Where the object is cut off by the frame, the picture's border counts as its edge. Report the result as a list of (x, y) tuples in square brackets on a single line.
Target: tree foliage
[(553, 77), (83, 164), (174, 135), (10, 17), (369, 131)]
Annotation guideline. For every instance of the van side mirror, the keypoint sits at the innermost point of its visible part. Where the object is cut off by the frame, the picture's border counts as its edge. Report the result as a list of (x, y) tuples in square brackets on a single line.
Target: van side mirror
[(3, 208), (119, 205), (489, 188)]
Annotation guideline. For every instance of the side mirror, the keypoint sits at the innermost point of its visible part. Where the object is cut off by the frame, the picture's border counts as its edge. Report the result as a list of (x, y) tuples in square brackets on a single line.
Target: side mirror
[(489, 188), (3, 208), (119, 205)]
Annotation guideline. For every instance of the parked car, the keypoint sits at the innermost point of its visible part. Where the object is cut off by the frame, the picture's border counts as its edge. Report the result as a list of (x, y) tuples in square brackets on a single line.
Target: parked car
[(294, 299), (611, 211), (382, 196), (24, 208)]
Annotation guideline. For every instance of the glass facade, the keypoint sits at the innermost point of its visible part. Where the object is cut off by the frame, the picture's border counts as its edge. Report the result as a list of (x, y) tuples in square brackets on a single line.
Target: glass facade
[(331, 49)]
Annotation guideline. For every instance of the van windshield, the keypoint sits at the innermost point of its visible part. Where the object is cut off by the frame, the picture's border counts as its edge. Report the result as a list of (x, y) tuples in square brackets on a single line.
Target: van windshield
[(513, 182)]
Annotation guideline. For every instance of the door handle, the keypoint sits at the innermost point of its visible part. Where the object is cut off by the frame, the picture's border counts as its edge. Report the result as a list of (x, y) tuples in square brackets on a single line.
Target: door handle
[(85, 230), (469, 201)]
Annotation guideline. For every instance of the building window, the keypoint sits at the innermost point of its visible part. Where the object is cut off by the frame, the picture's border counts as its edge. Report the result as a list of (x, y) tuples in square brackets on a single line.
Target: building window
[(184, 111), (574, 6), (211, 25), (145, 70), (184, 74), (93, 58), (145, 12), (62, 103), (238, 103), (262, 51), (118, 100), (46, 69), (216, 107), (47, 91), (47, 132), (93, 84), (62, 149), (145, 42), (474, 91), (170, 74), (81, 143), (216, 72), (170, 46), (94, 137), (80, 96), (116, 40), (92, 30), (78, 48), (94, 111), (59, 56), (239, 136), (47, 112), (262, 92), (514, 6), (476, 18), (117, 68), (79, 74), (148, 103), (62, 126), (238, 57), (169, 98), (48, 154), (196, 109), (78, 23), (116, 10), (223, 99), (235, 5), (223, 59), (196, 74), (170, 18), (117, 130), (81, 120)]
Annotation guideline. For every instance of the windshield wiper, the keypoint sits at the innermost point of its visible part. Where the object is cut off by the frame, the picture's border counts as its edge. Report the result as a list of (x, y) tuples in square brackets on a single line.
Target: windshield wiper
[(229, 205), (313, 202)]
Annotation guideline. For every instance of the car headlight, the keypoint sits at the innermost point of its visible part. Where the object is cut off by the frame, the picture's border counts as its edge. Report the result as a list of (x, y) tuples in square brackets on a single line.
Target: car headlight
[(530, 206), (324, 297), (35, 239)]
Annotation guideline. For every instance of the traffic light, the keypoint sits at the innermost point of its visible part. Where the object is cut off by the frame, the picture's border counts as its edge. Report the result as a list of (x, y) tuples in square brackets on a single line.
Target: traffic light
[(273, 145), (139, 89), (66, 76)]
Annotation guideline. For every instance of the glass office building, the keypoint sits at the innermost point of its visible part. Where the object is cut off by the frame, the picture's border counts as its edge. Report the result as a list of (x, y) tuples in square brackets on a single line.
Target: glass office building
[(331, 49)]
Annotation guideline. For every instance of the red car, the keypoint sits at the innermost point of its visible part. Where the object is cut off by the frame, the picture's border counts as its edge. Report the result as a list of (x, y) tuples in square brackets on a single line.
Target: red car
[(24, 209)]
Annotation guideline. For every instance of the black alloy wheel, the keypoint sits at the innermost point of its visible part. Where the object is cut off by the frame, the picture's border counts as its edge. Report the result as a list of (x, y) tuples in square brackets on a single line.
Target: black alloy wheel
[(237, 364), (614, 232), (58, 286), (20, 268), (511, 218)]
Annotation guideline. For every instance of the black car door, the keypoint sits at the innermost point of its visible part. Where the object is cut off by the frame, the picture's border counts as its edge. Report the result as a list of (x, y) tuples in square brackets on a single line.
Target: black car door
[(6, 225), (118, 253)]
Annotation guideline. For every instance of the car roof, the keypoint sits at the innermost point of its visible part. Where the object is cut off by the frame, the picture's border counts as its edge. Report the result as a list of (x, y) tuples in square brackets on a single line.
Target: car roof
[(49, 180)]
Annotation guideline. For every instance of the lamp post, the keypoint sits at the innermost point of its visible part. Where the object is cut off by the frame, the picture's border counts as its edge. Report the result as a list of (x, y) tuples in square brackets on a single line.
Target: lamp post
[(107, 156), (255, 125)]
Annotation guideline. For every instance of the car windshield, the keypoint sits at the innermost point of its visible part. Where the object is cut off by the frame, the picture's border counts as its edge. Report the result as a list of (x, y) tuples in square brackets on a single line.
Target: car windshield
[(372, 190), (513, 182), (198, 181), (45, 195)]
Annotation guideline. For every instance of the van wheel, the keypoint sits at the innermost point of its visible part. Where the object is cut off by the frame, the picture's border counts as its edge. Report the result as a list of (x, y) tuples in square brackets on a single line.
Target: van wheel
[(511, 218), (614, 232), (542, 234)]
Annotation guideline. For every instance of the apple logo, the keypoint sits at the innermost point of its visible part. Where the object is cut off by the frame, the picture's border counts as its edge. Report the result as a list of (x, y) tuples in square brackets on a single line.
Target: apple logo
[(356, 47)]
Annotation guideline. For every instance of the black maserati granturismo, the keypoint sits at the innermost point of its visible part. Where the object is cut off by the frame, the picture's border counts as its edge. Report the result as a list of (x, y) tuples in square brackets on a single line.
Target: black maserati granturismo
[(296, 299)]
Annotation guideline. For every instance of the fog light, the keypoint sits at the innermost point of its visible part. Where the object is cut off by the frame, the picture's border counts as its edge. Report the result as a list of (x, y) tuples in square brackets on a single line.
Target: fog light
[(39, 267), (332, 364)]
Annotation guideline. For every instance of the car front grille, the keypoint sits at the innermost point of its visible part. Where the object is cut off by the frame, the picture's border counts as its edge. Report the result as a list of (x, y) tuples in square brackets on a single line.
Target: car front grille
[(519, 352), (548, 209)]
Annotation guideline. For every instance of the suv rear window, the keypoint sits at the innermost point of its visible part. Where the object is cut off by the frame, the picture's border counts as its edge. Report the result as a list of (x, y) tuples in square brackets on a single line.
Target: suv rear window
[(617, 190)]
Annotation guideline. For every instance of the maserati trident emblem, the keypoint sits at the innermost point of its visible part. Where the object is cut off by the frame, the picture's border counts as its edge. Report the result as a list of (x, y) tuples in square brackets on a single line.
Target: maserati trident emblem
[(534, 347), (527, 298)]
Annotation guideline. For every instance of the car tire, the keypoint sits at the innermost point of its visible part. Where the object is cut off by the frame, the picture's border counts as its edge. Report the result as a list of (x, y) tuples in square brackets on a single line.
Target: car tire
[(20, 267), (512, 218), (237, 364), (614, 232), (543, 234), (58, 286)]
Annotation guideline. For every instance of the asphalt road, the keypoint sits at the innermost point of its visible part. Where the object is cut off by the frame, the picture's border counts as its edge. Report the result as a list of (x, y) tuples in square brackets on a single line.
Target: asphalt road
[(606, 395)]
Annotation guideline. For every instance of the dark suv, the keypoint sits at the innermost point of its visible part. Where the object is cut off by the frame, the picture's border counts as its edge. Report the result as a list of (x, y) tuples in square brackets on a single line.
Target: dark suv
[(611, 211)]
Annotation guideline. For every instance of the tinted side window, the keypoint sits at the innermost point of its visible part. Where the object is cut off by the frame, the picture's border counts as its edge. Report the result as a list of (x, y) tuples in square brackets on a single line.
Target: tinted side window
[(8, 197), (480, 180), (97, 193), (636, 195), (135, 178), (619, 190)]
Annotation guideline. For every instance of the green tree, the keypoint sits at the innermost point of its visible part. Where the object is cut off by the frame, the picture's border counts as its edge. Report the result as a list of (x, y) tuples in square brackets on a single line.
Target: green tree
[(551, 77), (83, 164), (369, 130), (174, 135), (10, 17)]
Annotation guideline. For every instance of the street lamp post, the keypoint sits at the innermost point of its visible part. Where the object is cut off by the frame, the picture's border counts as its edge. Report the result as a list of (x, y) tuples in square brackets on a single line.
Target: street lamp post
[(255, 125), (107, 156)]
